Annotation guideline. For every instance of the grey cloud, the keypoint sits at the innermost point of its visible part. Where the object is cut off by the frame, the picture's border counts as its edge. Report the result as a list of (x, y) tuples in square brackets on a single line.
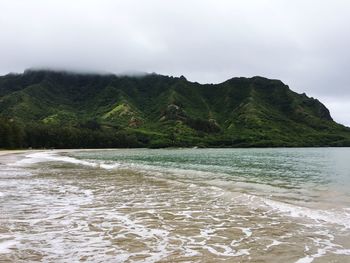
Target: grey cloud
[(303, 43)]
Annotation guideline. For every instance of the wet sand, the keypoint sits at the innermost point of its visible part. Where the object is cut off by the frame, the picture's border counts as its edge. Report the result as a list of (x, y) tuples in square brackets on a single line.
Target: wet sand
[(7, 152), (11, 156)]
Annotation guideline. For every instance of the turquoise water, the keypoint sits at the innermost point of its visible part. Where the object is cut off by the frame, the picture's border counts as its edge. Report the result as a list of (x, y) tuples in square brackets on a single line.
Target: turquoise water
[(176, 205), (320, 175)]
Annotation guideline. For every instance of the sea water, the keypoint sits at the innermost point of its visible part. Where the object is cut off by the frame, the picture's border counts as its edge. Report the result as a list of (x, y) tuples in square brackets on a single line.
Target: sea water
[(176, 205)]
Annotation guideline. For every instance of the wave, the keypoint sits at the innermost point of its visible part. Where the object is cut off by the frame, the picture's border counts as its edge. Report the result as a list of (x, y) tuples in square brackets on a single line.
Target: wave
[(333, 217), (34, 158), (338, 217)]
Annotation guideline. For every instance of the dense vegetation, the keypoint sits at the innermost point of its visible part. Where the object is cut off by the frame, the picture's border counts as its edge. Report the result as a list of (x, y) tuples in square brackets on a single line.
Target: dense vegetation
[(66, 110)]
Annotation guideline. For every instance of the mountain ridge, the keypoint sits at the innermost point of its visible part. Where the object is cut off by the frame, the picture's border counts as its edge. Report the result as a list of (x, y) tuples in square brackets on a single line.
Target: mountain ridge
[(159, 111)]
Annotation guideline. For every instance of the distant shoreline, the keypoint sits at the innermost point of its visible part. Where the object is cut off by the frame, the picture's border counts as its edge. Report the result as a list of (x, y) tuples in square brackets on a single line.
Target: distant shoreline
[(6, 152), (18, 152)]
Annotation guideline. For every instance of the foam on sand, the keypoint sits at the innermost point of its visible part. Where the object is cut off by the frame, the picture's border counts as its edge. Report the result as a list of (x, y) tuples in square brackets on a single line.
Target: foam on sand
[(6, 245)]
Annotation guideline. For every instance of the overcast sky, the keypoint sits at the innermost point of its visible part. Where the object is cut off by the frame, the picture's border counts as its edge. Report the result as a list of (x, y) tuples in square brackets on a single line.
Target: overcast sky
[(305, 43)]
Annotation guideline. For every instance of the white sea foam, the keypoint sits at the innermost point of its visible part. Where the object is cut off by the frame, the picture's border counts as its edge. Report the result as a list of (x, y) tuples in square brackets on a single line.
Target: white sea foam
[(274, 243), (247, 231), (33, 158), (54, 156), (306, 259), (333, 217), (325, 246), (337, 216), (6, 245)]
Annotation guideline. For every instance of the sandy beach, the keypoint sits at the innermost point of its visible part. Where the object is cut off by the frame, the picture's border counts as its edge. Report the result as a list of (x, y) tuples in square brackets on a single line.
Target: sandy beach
[(11, 156), (6, 152), (170, 205)]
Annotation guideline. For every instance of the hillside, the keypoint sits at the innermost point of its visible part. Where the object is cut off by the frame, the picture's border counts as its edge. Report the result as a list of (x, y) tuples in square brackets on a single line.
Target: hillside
[(60, 109)]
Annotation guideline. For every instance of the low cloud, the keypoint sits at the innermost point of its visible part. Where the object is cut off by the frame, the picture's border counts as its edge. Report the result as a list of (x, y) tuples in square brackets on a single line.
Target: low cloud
[(303, 43)]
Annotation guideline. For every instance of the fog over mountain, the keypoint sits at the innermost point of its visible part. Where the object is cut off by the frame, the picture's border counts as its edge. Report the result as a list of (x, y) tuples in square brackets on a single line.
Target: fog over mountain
[(303, 43)]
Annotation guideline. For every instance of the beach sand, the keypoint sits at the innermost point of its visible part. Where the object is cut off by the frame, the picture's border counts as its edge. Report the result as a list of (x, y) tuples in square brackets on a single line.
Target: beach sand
[(132, 208), (6, 152), (12, 156)]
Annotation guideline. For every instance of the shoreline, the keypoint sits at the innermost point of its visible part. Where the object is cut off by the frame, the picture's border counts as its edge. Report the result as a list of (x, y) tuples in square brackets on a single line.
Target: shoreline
[(7, 152), (11, 156), (7, 155), (47, 198)]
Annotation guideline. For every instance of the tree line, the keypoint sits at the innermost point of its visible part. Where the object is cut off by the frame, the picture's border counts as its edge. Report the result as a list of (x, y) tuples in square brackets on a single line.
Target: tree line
[(36, 135)]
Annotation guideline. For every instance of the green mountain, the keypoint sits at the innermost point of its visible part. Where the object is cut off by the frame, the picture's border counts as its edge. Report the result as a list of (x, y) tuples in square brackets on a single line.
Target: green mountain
[(42, 108)]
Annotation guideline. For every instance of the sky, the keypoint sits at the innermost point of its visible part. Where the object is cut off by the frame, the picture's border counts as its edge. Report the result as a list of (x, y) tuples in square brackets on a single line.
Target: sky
[(304, 43)]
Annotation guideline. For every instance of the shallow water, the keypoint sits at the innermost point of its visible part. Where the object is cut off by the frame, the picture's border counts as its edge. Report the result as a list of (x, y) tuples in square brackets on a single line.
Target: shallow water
[(177, 205)]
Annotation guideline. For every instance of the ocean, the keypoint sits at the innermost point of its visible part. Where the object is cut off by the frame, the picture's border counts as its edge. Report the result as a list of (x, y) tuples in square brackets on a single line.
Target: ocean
[(176, 205)]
